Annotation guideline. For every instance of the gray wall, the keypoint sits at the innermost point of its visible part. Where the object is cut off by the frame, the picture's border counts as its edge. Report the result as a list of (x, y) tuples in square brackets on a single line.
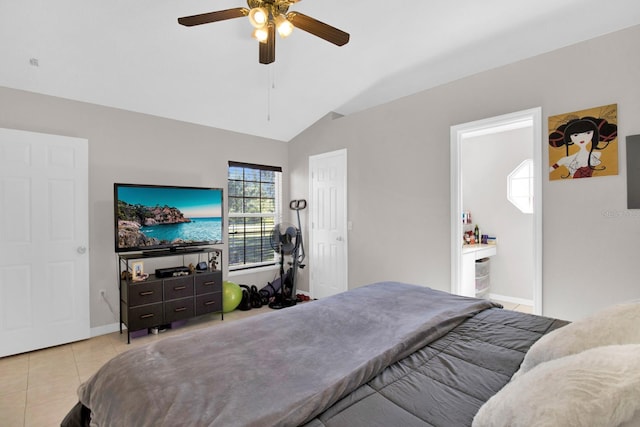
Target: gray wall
[(136, 148), (486, 161), (398, 159)]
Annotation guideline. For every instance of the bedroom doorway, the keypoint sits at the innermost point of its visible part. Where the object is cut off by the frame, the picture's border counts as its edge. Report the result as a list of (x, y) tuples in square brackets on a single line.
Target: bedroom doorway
[(528, 120), (328, 220)]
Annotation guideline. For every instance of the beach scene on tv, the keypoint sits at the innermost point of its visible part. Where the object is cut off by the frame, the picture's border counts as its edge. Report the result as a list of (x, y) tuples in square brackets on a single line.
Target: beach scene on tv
[(151, 217)]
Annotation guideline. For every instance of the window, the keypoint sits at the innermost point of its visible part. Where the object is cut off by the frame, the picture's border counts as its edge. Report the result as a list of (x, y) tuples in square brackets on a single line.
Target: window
[(254, 209), (520, 186)]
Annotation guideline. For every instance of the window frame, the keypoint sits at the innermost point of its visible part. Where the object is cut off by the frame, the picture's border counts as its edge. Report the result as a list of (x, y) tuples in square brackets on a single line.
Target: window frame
[(527, 191), (266, 254)]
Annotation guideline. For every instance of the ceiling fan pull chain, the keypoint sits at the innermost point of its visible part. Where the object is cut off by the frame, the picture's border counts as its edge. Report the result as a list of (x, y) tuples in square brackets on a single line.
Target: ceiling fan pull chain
[(268, 95), (271, 84)]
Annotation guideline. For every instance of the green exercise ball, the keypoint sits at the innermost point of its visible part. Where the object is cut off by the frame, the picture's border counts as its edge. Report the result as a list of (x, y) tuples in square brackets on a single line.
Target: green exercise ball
[(231, 296)]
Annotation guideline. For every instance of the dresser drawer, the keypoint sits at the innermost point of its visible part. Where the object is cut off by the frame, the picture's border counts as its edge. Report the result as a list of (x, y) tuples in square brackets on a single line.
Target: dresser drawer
[(178, 309), (209, 303), (179, 287), (208, 282), (141, 293), (144, 316)]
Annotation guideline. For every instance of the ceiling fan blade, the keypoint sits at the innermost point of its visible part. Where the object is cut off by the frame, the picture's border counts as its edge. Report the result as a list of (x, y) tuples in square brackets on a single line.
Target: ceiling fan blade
[(221, 15), (268, 48), (317, 28)]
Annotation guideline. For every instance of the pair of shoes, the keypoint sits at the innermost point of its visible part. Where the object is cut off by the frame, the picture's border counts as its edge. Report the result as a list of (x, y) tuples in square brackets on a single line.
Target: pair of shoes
[(302, 297)]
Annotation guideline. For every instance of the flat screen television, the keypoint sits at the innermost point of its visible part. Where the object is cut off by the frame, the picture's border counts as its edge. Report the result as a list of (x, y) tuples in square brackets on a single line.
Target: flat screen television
[(157, 217)]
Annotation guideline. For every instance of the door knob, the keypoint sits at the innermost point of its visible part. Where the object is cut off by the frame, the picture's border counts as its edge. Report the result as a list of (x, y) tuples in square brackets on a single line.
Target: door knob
[(339, 238), (82, 249)]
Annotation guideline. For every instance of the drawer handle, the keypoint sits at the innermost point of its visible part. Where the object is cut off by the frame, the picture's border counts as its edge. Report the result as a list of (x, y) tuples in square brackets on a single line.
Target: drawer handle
[(147, 293), (147, 316), (179, 309), (179, 288), (208, 283), (210, 302)]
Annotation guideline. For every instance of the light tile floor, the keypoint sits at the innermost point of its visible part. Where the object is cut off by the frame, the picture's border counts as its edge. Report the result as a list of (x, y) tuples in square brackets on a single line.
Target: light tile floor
[(39, 388), (516, 307)]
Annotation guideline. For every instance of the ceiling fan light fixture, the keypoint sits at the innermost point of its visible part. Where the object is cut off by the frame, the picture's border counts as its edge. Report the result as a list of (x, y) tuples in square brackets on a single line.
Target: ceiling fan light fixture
[(284, 26), (268, 17), (261, 34), (258, 16)]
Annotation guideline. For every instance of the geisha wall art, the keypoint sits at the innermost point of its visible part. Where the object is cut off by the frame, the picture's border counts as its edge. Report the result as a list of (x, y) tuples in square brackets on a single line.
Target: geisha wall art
[(583, 144)]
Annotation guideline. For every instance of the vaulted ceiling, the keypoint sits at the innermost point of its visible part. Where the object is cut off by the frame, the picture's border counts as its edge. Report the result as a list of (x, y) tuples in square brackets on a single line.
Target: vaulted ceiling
[(133, 55)]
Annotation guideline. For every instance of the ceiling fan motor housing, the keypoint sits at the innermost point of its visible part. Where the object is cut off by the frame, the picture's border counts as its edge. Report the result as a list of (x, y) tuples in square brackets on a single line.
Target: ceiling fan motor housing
[(274, 7)]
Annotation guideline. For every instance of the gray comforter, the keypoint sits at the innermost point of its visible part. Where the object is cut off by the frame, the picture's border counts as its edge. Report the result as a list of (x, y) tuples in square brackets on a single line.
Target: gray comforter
[(278, 369), (445, 383)]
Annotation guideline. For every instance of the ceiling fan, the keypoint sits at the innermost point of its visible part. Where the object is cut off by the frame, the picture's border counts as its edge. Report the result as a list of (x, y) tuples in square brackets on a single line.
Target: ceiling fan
[(267, 17)]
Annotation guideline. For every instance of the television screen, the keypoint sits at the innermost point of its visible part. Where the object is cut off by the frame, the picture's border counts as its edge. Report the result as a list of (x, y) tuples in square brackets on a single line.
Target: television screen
[(149, 217)]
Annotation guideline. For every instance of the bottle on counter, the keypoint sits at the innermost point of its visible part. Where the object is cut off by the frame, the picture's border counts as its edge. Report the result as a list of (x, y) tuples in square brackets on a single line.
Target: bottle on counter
[(476, 234)]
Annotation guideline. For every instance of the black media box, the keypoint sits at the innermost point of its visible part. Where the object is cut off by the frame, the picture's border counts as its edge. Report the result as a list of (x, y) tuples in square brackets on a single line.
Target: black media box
[(172, 271)]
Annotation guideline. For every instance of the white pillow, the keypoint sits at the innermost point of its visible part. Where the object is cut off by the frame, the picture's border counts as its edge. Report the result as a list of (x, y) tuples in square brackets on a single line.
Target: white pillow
[(598, 387), (619, 324)]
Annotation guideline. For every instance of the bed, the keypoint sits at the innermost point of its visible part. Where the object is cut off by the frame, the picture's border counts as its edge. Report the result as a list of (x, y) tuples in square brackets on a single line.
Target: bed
[(386, 354)]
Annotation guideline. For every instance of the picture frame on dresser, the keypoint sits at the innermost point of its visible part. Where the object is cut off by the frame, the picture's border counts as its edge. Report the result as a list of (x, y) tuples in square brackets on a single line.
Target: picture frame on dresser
[(137, 271)]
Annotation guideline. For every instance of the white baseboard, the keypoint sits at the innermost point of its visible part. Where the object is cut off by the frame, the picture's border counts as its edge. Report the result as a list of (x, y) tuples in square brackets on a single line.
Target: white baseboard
[(512, 300), (105, 329)]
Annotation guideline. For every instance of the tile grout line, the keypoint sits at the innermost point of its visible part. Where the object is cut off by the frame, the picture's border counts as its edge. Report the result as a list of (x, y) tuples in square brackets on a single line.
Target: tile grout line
[(75, 360), (26, 393)]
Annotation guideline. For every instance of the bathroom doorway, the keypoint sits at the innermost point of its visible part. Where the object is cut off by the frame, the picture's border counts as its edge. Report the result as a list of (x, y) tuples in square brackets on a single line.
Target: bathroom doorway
[(528, 120)]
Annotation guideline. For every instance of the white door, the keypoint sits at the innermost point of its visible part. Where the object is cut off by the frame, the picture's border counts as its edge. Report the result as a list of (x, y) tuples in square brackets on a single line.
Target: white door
[(44, 261), (328, 237)]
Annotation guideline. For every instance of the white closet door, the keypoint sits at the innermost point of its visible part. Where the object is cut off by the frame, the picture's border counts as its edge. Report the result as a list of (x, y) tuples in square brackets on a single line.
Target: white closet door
[(44, 259), (328, 235)]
